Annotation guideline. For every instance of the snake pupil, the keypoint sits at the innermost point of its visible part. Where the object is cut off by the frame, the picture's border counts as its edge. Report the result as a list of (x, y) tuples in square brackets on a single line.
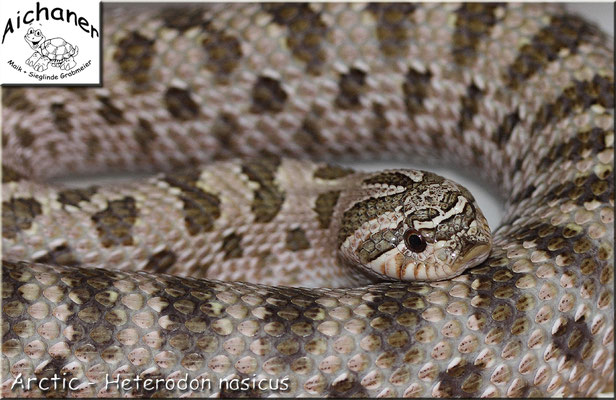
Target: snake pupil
[(414, 241)]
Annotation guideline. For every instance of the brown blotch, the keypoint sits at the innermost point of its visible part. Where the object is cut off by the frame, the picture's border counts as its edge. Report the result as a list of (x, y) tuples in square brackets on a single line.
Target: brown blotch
[(10, 175), (470, 106), (394, 27), (579, 96), (180, 104), (114, 224), (223, 53), (268, 95), (563, 32), (268, 198), (74, 196), (503, 133), (415, 88), (134, 55), (297, 240), (330, 172), (25, 136), (324, 207), (182, 18), (559, 241), (585, 144), (112, 114), (61, 117), (15, 98), (307, 32), (308, 136), (584, 189), (18, 214), (231, 245), (161, 261), (201, 208), (62, 255), (351, 86), (225, 128), (380, 124), (144, 135), (474, 21), (93, 145)]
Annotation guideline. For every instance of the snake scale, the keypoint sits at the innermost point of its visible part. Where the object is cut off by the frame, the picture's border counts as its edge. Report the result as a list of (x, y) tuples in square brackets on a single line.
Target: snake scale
[(521, 93)]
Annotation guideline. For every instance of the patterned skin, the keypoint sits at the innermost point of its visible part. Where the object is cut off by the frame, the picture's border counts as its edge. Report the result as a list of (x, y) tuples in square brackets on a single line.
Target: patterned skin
[(521, 92)]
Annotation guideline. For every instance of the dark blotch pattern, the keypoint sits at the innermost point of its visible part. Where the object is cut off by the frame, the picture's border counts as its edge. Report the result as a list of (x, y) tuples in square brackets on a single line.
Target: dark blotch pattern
[(93, 145), (111, 113), (306, 35), (585, 144), (380, 124), (268, 198), (182, 18), (201, 208), (297, 240), (268, 95), (62, 255), (563, 32), (503, 133), (330, 172), (10, 175), (579, 96), (584, 188), (144, 135), (351, 86), (134, 56), (308, 136), (225, 128), (74, 196), (415, 88), (470, 106), (324, 207), (462, 375), (114, 224), (474, 21), (61, 117), (161, 261), (180, 104), (223, 54), (25, 136), (15, 98), (18, 214), (394, 27), (231, 245)]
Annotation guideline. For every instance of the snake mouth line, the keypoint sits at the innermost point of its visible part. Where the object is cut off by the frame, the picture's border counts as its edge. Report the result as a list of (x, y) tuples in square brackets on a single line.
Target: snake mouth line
[(478, 254)]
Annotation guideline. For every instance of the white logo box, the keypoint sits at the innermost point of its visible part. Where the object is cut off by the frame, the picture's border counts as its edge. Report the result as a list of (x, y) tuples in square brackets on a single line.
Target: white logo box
[(50, 42)]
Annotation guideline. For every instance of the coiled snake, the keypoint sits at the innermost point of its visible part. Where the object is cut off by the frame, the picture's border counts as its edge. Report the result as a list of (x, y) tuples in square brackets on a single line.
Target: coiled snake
[(522, 93)]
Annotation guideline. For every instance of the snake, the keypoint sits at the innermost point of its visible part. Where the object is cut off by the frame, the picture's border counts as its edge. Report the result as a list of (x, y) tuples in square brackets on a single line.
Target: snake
[(252, 264)]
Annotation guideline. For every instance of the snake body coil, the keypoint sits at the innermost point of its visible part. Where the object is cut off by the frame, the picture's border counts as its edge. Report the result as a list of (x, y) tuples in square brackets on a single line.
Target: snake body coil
[(522, 92)]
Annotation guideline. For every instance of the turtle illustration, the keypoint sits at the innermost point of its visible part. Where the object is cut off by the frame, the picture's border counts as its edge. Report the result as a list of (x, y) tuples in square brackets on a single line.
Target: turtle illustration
[(57, 51)]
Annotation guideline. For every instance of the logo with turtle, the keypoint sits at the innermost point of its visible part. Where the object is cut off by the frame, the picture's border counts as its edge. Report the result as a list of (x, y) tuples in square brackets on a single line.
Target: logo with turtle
[(56, 52)]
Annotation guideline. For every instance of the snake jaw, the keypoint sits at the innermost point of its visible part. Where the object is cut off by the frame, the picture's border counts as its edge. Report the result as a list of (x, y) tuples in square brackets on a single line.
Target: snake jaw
[(475, 256)]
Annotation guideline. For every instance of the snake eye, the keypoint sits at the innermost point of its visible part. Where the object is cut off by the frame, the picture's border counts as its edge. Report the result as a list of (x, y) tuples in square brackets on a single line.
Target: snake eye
[(414, 241)]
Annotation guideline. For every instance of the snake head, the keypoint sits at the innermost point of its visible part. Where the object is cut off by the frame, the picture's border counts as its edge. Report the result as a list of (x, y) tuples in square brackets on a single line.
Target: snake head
[(413, 225)]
